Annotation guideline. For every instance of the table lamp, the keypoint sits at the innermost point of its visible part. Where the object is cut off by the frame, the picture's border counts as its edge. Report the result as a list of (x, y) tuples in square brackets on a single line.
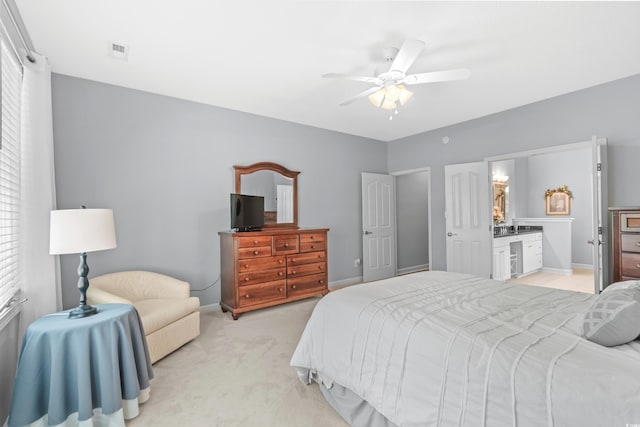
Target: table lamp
[(78, 231)]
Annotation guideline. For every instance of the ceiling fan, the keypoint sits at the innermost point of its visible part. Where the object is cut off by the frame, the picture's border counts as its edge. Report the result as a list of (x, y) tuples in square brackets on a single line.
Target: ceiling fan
[(389, 86)]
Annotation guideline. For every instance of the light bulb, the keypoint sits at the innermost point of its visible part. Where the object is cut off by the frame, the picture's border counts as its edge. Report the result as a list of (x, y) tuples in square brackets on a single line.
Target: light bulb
[(377, 97), (393, 93), (405, 95), (387, 104)]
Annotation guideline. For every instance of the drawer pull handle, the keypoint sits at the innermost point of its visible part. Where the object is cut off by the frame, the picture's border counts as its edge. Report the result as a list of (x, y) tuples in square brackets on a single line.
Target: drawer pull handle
[(293, 260), (279, 273), (279, 289), (246, 266), (313, 237), (246, 279), (256, 252), (247, 296), (313, 247), (279, 261), (638, 244), (286, 245), (255, 242), (637, 265), (293, 286), (293, 272), (321, 281)]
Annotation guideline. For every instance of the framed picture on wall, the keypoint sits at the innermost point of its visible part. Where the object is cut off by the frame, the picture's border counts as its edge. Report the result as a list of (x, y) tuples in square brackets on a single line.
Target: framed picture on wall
[(558, 203)]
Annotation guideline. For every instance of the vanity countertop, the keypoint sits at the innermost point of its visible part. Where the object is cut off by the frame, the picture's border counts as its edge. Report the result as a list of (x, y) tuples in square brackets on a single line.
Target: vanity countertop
[(512, 230), (516, 233)]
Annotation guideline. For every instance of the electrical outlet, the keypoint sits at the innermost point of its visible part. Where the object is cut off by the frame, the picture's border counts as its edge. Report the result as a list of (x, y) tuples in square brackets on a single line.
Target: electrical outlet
[(356, 262)]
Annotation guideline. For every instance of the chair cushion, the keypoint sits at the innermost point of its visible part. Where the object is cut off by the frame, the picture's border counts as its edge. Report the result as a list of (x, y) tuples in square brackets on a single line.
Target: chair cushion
[(158, 313)]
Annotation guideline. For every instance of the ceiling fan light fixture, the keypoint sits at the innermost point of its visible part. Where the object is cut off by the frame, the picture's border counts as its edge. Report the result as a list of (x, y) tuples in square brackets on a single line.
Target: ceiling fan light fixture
[(377, 97), (393, 93), (405, 95), (388, 105)]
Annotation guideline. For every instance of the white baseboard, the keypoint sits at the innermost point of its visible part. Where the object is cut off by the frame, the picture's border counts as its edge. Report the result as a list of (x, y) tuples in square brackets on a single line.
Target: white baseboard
[(413, 269), (558, 270), (345, 282), (583, 266), (210, 307)]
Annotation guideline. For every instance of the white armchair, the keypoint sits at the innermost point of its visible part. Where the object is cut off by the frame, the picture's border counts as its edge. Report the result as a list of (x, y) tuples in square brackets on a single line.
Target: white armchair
[(170, 317)]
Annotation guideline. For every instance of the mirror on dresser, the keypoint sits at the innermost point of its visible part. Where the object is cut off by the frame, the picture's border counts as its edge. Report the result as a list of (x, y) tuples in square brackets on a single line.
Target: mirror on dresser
[(279, 187)]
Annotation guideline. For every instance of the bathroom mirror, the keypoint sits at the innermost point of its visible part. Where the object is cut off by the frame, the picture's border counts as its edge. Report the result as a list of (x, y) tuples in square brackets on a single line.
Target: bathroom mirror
[(279, 187), (500, 201)]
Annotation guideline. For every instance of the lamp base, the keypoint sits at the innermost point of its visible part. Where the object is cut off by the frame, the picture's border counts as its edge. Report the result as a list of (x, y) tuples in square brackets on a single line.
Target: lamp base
[(82, 311)]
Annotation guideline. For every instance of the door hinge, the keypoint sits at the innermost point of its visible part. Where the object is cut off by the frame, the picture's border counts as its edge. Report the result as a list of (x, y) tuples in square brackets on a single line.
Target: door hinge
[(599, 167), (599, 230)]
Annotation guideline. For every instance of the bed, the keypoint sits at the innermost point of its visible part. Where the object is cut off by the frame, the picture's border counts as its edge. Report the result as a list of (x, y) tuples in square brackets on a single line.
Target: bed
[(447, 349)]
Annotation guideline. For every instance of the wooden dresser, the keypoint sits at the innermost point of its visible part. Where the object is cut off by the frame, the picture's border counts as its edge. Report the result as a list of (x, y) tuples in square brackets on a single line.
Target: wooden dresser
[(270, 267), (626, 243)]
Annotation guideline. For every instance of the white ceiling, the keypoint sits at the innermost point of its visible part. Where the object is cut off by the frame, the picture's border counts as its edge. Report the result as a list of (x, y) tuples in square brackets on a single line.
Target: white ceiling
[(267, 57)]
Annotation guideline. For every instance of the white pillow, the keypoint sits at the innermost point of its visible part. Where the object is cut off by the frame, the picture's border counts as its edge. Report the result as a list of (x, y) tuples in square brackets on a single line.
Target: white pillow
[(614, 317), (634, 284)]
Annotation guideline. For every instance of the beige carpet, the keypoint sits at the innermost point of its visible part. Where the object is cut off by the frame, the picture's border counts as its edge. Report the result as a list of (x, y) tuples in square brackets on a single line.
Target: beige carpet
[(237, 373)]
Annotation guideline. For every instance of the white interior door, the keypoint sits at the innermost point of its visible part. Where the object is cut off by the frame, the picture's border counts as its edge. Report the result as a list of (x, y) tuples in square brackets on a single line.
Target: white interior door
[(600, 214), (285, 203), (468, 216), (378, 226)]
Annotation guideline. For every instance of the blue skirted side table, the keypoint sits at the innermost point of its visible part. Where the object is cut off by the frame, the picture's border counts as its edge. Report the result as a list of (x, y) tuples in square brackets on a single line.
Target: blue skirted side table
[(93, 370)]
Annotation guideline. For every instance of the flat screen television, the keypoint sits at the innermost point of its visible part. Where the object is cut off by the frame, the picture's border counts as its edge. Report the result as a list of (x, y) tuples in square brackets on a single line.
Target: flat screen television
[(247, 212)]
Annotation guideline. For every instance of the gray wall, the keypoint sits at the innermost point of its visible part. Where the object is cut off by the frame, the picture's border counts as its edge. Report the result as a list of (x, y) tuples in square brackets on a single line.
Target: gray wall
[(164, 166), (571, 168), (412, 193), (609, 110)]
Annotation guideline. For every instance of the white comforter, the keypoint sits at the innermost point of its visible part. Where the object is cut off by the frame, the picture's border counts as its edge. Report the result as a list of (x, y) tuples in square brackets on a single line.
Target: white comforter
[(445, 349)]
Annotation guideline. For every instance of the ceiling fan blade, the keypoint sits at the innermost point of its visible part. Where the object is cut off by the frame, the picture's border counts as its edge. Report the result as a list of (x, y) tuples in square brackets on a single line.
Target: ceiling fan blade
[(437, 76), (408, 53), (373, 80), (360, 95)]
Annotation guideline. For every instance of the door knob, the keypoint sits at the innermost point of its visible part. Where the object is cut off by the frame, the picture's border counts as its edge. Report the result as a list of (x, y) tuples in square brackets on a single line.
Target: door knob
[(365, 232), (592, 242), (451, 234)]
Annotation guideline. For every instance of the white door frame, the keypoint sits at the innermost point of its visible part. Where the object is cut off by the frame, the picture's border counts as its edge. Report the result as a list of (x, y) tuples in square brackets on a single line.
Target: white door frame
[(408, 172), (567, 147)]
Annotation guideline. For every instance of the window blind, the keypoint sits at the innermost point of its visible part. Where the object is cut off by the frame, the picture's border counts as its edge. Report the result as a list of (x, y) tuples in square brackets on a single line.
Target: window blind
[(9, 177)]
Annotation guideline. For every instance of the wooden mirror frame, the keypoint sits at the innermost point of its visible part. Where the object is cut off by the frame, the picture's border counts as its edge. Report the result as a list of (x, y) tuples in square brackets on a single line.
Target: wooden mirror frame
[(246, 170)]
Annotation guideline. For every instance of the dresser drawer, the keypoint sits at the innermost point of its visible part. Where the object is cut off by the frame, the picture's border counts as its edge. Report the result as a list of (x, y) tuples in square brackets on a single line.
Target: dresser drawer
[(630, 222), (254, 241), (306, 258), (630, 242), (630, 264), (306, 284), (261, 276), (257, 252), (305, 269), (265, 292), (257, 264), (285, 244), (312, 243)]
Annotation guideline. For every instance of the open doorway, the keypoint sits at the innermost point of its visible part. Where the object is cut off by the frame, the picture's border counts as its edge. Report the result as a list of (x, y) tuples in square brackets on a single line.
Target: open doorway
[(413, 219), (571, 254)]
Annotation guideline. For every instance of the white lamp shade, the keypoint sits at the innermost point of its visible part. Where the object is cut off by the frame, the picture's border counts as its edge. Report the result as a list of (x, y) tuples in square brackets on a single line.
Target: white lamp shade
[(75, 231)]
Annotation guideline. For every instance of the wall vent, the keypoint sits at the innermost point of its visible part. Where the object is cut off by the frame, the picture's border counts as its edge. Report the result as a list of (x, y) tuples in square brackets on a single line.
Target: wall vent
[(118, 51)]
